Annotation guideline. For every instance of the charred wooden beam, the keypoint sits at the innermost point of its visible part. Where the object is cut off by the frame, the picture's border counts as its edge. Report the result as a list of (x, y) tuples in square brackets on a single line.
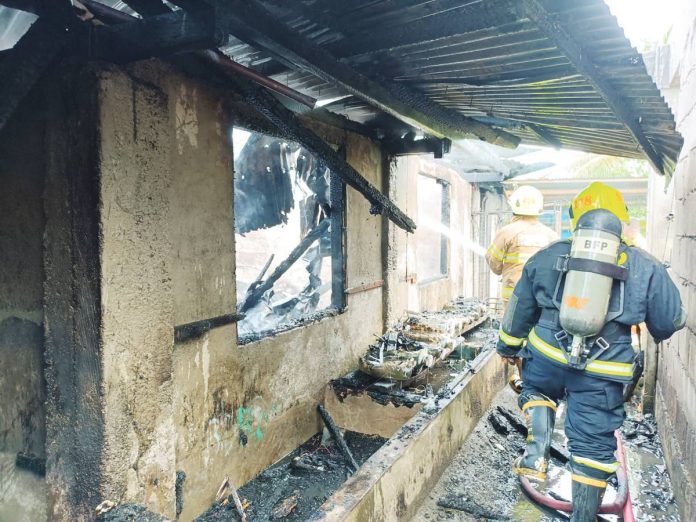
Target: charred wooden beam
[(160, 35), (28, 60), (336, 434), (30, 6), (189, 5), (194, 330), (256, 291), (429, 145), (252, 23), (568, 44), (545, 135), (288, 123), (147, 8)]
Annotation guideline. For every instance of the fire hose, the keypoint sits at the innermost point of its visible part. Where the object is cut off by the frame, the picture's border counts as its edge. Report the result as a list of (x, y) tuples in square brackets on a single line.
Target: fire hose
[(621, 504)]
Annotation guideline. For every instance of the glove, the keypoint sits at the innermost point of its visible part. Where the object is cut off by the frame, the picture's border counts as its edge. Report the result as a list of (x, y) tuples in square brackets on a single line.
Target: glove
[(505, 350)]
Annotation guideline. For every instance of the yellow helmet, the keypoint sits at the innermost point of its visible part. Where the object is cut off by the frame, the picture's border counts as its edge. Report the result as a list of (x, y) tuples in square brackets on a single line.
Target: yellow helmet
[(526, 201), (598, 195)]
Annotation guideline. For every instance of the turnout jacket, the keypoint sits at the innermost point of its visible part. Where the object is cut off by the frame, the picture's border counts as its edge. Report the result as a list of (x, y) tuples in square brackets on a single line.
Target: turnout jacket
[(513, 246), (650, 296)]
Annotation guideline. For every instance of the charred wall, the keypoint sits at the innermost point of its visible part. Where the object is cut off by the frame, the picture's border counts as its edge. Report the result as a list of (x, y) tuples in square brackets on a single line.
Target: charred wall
[(22, 388), (22, 384), (72, 291)]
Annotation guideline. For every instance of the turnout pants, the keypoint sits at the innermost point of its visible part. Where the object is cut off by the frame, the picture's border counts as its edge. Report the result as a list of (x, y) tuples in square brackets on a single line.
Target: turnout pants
[(594, 411)]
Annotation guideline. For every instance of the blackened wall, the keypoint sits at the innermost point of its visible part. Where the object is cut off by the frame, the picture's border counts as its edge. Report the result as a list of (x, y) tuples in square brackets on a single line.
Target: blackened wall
[(22, 417)]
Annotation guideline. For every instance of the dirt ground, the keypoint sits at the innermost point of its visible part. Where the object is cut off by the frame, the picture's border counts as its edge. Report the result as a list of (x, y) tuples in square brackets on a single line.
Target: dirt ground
[(479, 484)]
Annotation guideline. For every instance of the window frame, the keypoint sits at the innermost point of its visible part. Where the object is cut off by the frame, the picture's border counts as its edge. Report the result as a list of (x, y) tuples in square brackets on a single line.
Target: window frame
[(337, 197), (445, 221)]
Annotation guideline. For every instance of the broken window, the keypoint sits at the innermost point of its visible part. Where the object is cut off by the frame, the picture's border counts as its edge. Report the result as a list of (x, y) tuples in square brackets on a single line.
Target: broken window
[(288, 210), (432, 234)]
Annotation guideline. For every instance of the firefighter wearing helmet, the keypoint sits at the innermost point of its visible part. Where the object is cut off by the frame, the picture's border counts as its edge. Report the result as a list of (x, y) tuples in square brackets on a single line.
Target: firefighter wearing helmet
[(574, 305), (516, 242)]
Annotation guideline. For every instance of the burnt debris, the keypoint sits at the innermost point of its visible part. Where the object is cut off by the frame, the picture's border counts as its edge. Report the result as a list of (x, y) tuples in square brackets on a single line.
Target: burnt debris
[(423, 339), (282, 188), (295, 491)]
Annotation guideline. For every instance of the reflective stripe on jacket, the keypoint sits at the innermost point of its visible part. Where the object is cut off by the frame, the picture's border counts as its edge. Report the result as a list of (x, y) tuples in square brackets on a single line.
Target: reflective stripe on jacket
[(513, 246), (650, 296)]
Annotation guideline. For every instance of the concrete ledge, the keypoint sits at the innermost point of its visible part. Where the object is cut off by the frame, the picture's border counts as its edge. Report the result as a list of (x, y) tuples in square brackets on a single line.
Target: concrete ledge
[(684, 491), (393, 482), (364, 415)]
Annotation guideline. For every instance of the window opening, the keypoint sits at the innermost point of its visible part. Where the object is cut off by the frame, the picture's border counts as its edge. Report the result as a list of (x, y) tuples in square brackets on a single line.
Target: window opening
[(288, 211), (433, 232)]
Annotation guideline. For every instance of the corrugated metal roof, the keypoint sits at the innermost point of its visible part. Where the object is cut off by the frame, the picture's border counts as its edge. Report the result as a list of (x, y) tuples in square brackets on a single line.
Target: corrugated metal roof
[(484, 60), (481, 58)]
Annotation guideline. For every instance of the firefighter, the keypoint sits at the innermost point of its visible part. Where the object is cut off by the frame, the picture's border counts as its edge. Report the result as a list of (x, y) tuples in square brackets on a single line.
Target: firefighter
[(590, 379), (516, 242), (523, 237)]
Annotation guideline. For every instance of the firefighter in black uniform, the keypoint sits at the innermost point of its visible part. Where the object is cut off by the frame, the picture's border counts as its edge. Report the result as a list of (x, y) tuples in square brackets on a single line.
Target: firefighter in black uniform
[(592, 384)]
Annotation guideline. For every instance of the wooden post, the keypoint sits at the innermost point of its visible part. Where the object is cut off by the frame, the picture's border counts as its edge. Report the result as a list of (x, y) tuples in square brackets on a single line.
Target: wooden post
[(652, 350)]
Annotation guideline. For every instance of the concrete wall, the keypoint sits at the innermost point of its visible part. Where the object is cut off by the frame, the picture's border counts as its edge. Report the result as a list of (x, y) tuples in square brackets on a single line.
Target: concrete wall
[(138, 237), (22, 385), (675, 241), (405, 292), (22, 416), (159, 210), (242, 408)]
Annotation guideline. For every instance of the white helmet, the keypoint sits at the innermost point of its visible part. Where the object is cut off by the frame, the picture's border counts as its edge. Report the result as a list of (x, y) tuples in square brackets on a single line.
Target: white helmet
[(526, 201)]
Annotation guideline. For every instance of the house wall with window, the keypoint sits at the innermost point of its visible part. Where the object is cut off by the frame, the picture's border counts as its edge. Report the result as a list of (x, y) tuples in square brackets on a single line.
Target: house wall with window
[(153, 248), (131, 199), (449, 243), (207, 407)]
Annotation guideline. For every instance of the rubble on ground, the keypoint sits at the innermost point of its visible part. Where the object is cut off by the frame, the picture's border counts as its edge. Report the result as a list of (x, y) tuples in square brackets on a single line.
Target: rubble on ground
[(295, 487)]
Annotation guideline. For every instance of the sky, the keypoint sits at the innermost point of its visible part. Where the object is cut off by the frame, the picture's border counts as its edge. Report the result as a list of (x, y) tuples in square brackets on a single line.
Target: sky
[(643, 22), (646, 20)]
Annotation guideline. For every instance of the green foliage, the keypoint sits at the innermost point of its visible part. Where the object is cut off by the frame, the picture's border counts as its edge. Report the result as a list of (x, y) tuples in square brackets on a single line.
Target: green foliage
[(608, 167)]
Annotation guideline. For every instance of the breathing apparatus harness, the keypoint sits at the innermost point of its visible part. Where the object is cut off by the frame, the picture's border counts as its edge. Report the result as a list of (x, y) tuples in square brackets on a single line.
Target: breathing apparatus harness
[(587, 275)]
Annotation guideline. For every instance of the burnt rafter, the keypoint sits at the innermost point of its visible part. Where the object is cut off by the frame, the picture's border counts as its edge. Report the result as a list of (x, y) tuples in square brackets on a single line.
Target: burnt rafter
[(30, 57), (254, 24), (546, 135), (567, 43), (159, 35), (147, 7), (289, 124)]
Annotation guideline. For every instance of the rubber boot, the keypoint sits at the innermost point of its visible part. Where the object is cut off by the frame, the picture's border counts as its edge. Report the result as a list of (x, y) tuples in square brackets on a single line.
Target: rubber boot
[(516, 384), (589, 484), (540, 412), (586, 500)]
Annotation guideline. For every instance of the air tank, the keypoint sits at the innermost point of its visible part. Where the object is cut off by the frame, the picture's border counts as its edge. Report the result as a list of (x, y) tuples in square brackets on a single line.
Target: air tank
[(586, 294)]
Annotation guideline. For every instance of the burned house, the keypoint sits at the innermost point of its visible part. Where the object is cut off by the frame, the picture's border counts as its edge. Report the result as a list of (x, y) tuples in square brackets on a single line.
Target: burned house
[(210, 209)]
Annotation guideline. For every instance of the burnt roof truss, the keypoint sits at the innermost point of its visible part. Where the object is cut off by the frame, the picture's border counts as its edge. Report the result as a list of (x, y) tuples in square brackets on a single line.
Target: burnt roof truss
[(251, 22), (550, 72)]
